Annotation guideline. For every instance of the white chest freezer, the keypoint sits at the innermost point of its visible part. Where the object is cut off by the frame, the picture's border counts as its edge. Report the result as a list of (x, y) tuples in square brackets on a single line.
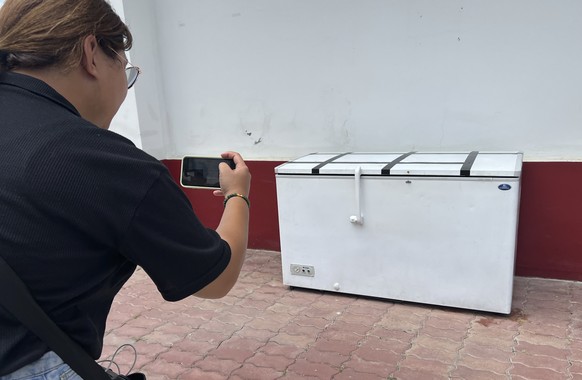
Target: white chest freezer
[(435, 228)]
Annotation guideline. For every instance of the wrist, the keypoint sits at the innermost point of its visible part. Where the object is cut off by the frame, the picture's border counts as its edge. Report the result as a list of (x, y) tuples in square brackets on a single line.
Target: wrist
[(236, 195)]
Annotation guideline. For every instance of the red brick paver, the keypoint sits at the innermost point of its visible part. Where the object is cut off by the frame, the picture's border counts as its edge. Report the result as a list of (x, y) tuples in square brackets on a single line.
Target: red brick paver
[(263, 330)]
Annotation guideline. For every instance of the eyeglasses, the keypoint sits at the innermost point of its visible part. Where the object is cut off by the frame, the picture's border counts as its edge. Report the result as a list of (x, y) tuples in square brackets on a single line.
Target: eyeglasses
[(131, 72)]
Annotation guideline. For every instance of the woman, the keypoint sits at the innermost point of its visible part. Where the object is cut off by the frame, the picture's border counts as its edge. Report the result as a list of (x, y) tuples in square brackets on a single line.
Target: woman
[(82, 206)]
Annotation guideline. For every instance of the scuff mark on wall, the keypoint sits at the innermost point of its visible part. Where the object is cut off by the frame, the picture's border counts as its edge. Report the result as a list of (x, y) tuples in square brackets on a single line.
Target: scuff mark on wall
[(337, 117), (255, 121)]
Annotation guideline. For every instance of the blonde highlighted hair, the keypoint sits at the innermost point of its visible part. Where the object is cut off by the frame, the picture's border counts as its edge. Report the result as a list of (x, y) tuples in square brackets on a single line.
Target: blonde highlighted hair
[(36, 34)]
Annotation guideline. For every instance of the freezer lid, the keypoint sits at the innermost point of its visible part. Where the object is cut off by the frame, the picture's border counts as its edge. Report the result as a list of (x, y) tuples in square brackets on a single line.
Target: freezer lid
[(454, 164)]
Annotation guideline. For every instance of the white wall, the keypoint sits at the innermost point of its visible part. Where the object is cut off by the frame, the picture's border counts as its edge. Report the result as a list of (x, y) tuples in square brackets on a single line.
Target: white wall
[(278, 79)]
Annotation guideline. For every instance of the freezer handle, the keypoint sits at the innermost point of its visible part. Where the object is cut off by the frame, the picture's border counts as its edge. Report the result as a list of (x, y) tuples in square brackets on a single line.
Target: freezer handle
[(358, 218)]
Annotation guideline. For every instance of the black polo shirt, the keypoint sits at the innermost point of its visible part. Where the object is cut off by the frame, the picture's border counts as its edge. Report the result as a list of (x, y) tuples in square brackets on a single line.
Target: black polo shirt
[(80, 208)]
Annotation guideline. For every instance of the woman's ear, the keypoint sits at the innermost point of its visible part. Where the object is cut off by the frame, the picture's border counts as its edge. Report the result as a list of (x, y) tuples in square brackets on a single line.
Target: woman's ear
[(89, 57)]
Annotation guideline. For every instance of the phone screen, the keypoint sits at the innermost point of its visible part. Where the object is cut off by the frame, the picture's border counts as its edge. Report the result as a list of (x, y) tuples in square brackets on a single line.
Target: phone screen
[(202, 172)]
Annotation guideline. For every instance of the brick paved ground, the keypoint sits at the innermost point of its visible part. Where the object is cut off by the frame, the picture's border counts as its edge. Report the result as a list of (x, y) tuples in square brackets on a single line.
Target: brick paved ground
[(264, 330)]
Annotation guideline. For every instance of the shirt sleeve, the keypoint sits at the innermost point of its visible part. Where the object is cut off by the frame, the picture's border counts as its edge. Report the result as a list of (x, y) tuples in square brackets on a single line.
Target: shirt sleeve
[(168, 241)]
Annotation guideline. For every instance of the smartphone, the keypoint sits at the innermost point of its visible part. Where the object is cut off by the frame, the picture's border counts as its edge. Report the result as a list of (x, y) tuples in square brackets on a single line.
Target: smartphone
[(202, 172)]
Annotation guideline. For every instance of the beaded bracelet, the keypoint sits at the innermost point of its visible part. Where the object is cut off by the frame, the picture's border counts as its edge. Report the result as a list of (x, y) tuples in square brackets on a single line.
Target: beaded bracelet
[(228, 197)]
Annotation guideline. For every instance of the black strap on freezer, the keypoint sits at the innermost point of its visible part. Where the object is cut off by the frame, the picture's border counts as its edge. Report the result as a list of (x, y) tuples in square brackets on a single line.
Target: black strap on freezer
[(315, 170), (466, 168), (386, 169)]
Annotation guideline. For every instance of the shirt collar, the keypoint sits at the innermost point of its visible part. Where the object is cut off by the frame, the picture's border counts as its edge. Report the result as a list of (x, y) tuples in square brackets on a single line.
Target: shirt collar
[(37, 87)]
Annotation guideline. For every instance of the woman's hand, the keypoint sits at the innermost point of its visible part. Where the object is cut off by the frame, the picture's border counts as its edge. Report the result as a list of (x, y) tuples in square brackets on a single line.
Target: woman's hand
[(237, 180)]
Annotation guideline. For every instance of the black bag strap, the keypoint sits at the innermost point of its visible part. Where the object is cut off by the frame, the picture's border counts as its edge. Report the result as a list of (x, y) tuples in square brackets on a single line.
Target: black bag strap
[(16, 298)]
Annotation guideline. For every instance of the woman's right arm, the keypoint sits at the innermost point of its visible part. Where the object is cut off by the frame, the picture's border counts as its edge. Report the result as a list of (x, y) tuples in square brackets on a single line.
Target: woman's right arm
[(234, 224)]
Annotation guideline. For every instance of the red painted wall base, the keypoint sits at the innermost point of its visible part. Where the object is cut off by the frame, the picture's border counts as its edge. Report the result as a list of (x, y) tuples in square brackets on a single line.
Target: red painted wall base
[(550, 221), (549, 242)]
